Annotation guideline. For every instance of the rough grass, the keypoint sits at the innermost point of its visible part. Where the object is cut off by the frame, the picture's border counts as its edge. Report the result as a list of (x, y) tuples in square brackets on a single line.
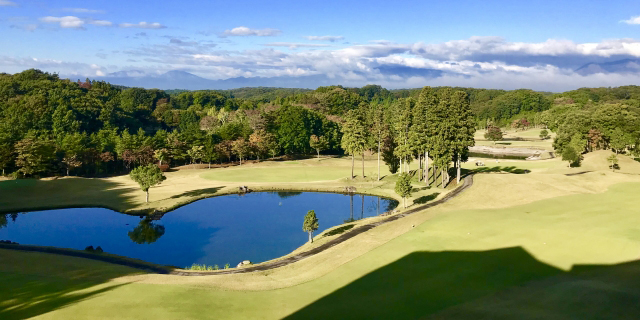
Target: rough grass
[(546, 259), (184, 186), (510, 139), (535, 245)]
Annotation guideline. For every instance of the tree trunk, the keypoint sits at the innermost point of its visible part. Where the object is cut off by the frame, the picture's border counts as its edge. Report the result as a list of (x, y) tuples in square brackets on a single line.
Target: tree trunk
[(420, 167), (310, 236), (378, 161), (400, 167), (426, 165), (458, 173), (3, 172), (147, 196), (318, 150), (363, 163), (353, 163), (67, 172)]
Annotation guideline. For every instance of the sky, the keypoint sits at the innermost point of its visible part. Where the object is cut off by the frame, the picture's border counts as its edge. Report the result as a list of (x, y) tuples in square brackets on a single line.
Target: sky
[(396, 44)]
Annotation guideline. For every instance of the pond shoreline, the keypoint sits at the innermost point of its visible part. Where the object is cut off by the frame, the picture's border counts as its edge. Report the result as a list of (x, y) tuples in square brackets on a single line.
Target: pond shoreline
[(278, 262)]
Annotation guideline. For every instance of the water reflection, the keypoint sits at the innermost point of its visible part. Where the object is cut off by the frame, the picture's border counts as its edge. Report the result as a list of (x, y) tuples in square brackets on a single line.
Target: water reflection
[(227, 229), (146, 232), (4, 219)]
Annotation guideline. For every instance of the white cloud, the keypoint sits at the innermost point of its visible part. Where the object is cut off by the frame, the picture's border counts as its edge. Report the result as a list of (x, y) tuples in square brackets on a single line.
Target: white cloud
[(295, 45), (82, 10), (143, 25), (632, 20), (324, 38), (102, 23), (489, 62), (74, 22), (7, 3), (244, 31), (65, 22)]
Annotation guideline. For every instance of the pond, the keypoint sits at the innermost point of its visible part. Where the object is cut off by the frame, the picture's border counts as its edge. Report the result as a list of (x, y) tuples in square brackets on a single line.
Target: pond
[(226, 229)]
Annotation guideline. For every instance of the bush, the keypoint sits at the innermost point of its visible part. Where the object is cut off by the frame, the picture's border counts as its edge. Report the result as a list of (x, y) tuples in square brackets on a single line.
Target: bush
[(90, 249), (99, 250), (338, 230)]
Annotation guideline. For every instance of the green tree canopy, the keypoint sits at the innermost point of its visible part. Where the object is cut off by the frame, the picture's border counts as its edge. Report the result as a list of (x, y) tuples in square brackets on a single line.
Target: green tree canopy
[(147, 176), (310, 224)]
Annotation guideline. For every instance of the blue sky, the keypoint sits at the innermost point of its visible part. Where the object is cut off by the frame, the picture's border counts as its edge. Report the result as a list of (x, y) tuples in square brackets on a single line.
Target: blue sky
[(504, 44)]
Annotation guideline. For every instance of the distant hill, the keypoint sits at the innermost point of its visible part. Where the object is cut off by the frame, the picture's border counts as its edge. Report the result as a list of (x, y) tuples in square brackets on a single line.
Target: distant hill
[(619, 66), (182, 80)]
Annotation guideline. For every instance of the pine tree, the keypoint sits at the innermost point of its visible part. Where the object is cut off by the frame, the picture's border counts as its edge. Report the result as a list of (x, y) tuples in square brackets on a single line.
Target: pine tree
[(441, 124), (418, 133), (464, 129), (401, 126), (378, 129), (429, 99), (354, 137)]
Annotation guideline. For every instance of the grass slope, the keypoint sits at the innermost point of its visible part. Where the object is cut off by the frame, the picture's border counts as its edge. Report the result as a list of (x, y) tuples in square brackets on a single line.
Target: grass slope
[(462, 260)]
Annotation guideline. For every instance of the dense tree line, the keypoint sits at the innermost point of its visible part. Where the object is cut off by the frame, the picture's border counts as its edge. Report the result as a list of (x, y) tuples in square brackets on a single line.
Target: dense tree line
[(593, 126), (50, 126)]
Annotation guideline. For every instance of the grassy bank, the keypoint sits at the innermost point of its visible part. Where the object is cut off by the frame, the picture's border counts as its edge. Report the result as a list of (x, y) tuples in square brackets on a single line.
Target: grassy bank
[(563, 257), (181, 187)]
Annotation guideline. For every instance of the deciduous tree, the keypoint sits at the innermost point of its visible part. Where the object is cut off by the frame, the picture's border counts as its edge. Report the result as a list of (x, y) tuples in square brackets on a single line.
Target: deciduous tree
[(403, 187), (310, 224), (147, 177)]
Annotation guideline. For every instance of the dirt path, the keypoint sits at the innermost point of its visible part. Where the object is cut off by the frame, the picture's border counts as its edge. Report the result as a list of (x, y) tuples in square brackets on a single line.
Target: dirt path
[(468, 182)]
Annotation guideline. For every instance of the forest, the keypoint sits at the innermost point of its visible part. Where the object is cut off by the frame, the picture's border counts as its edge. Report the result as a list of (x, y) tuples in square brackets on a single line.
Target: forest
[(51, 126)]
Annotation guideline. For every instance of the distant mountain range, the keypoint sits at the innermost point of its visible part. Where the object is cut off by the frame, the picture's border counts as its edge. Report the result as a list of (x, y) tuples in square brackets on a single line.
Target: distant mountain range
[(185, 80), (619, 66)]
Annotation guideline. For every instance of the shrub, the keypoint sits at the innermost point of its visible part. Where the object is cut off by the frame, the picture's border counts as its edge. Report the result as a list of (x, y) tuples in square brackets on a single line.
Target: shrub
[(338, 230), (90, 249)]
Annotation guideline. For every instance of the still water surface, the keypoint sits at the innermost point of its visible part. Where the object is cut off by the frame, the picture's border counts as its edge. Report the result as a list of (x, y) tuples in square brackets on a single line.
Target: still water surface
[(226, 229)]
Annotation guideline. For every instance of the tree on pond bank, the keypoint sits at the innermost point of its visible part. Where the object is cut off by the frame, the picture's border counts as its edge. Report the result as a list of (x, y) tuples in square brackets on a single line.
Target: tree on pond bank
[(403, 187), (147, 176), (310, 224)]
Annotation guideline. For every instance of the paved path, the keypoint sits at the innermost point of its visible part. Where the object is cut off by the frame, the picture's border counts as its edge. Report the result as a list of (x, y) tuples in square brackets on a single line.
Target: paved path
[(468, 182)]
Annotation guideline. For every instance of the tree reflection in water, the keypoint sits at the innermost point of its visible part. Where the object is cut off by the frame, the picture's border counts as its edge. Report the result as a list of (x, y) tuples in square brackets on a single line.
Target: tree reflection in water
[(146, 232)]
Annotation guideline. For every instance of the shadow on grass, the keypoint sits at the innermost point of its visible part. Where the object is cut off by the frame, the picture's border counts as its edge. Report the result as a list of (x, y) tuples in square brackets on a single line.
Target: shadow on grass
[(504, 283), (425, 199), (30, 293), (198, 193), (32, 194), (510, 169)]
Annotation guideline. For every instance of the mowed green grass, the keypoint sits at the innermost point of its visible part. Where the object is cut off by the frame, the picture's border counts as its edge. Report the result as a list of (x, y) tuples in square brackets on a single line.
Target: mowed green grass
[(309, 170), (566, 257)]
